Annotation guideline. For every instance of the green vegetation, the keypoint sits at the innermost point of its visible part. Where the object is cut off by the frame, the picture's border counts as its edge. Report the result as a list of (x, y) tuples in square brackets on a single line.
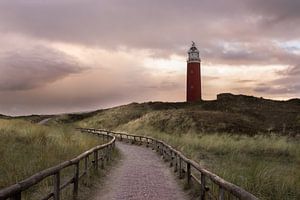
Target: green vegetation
[(27, 148), (249, 141), (267, 166), (252, 142), (235, 114)]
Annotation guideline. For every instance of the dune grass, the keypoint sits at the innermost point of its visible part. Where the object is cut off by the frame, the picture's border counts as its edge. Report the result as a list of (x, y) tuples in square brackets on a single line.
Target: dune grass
[(214, 133), (267, 166), (27, 148)]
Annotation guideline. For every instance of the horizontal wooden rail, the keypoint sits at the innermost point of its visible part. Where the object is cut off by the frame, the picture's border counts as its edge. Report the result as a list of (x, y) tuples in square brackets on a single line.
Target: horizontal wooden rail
[(15, 191), (184, 166)]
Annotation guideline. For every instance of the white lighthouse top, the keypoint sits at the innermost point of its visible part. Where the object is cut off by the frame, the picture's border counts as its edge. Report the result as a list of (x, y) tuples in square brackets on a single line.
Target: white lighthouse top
[(193, 53)]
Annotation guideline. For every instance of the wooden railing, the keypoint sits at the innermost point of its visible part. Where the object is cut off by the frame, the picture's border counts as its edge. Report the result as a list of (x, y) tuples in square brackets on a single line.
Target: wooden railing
[(14, 192), (210, 185)]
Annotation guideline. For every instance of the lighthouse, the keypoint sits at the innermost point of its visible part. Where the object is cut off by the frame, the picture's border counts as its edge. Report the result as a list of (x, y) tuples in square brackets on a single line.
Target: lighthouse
[(193, 86)]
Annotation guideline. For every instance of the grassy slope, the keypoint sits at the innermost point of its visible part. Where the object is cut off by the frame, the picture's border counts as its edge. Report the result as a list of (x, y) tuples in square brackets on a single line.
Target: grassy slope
[(267, 166), (216, 133), (27, 148), (230, 114)]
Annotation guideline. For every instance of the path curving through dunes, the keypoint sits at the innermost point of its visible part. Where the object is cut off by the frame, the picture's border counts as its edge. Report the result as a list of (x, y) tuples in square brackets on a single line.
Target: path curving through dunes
[(140, 174)]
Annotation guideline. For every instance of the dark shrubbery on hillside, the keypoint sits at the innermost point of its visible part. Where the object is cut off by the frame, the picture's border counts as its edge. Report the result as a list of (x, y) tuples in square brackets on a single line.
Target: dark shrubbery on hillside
[(228, 113)]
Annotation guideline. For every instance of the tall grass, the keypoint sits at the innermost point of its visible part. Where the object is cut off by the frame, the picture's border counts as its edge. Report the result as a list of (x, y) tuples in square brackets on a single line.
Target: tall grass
[(27, 148), (267, 166)]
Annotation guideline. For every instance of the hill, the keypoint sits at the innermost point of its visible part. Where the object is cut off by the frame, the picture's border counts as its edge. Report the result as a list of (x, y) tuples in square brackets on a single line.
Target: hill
[(4, 117), (265, 164), (229, 113)]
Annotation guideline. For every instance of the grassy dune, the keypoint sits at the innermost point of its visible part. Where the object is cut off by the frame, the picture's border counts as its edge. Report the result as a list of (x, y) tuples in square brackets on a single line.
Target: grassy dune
[(27, 148), (235, 114), (257, 158), (267, 166), (252, 142)]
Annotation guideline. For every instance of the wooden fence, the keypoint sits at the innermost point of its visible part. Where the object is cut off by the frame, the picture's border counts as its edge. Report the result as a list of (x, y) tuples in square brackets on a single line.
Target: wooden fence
[(210, 185), (14, 192)]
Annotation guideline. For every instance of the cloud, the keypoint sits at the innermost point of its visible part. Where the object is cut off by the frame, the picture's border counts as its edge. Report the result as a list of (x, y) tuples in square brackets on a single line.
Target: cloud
[(34, 67), (276, 12), (287, 84), (162, 25), (120, 79), (292, 71), (238, 40)]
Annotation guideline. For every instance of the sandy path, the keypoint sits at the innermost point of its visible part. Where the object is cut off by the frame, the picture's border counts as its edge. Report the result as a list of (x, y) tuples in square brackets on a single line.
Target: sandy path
[(141, 174)]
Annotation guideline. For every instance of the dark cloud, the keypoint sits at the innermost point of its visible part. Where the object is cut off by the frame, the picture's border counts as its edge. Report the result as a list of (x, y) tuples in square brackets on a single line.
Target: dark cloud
[(245, 81), (95, 88), (165, 27), (276, 12), (287, 84), (269, 89), (292, 71), (210, 78), (245, 53), (162, 25), (231, 32), (35, 67), (165, 85)]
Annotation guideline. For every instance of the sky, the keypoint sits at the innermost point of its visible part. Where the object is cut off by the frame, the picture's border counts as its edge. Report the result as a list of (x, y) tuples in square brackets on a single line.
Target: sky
[(61, 56)]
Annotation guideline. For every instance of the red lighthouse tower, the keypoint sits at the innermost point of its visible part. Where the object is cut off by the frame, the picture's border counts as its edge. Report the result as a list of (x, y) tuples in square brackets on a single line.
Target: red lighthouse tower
[(193, 87)]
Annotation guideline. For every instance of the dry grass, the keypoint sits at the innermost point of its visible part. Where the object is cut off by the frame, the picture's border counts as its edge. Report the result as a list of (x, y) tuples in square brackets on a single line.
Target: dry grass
[(267, 166), (27, 148), (215, 134)]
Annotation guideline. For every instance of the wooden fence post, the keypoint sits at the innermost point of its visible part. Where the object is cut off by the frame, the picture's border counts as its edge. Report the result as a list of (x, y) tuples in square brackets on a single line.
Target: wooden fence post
[(176, 162), (17, 196), (153, 144), (166, 153), (180, 167), (172, 158), (168, 156), (76, 180), (202, 197), (86, 161), (221, 193), (188, 173), (96, 159), (56, 183), (102, 162), (147, 140), (109, 151)]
